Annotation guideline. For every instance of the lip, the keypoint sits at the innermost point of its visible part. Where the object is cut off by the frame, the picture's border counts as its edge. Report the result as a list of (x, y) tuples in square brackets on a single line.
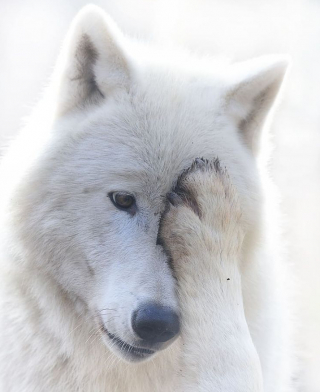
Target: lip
[(131, 352)]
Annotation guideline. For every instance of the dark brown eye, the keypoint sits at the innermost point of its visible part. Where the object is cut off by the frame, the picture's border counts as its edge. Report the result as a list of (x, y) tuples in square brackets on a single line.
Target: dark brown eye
[(122, 200)]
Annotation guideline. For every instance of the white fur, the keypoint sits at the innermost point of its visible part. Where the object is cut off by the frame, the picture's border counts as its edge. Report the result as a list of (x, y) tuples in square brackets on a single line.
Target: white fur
[(119, 117)]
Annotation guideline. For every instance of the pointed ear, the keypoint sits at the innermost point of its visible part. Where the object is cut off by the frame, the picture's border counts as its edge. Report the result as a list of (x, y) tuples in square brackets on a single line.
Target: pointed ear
[(92, 62), (251, 93)]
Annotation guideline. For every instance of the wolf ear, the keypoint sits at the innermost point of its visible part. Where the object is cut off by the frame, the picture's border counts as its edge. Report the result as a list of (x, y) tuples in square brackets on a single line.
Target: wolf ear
[(92, 62), (252, 90)]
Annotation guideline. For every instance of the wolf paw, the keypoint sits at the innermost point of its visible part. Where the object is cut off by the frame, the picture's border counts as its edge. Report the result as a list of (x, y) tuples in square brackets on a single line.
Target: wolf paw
[(202, 208), (207, 190)]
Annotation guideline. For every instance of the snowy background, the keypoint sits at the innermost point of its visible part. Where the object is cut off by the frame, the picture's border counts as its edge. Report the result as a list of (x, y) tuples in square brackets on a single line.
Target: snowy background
[(31, 33)]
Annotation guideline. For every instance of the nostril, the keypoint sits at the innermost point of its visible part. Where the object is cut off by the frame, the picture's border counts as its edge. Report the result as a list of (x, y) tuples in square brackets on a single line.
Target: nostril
[(154, 323)]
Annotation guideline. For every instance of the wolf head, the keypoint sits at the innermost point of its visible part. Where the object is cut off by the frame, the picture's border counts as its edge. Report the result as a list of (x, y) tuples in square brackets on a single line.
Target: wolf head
[(126, 122)]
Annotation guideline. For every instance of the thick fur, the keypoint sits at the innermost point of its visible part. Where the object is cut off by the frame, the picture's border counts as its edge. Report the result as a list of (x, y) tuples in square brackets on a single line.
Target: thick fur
[(120, 117)]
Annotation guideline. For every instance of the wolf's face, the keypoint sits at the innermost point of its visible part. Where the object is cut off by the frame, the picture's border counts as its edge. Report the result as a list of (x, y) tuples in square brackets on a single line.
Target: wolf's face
[(93, 219), (90, 210)]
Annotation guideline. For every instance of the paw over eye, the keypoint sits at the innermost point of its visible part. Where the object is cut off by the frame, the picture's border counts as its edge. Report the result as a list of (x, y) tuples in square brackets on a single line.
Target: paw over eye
[(123, 200)]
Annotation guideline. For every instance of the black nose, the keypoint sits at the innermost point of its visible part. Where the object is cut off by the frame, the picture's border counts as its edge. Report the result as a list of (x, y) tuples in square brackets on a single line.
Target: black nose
[(154, 323)]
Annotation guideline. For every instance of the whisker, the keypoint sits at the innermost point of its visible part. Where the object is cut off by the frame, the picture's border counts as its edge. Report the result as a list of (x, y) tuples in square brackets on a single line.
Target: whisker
[(101, 310), (91, 335)]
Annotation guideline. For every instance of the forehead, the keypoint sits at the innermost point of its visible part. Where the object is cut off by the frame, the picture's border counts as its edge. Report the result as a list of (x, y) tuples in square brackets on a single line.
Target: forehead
[(155, 131)]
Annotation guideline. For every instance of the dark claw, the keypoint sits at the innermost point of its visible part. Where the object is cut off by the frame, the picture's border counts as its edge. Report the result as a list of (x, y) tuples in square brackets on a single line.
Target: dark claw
[(174, 199), (200, 162)]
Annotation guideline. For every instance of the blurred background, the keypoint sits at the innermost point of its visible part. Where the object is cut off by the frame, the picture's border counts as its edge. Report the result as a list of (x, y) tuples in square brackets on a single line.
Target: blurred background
[(31, 33)]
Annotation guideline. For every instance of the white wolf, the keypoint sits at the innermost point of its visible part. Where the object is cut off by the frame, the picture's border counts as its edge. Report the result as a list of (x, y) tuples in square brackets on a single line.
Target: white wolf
[(87, 282)]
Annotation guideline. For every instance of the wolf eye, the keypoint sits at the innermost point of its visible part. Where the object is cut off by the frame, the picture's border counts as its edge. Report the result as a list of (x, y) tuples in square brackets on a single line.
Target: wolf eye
[(122, 200)]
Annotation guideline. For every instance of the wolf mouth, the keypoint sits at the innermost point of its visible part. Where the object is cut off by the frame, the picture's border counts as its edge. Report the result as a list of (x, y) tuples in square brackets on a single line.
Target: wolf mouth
[(135, 352)]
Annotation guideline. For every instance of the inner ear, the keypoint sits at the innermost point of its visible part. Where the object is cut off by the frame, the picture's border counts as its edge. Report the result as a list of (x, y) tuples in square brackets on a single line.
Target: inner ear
[(86, 56), (93, 62), (252, 91), (251, 122)]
